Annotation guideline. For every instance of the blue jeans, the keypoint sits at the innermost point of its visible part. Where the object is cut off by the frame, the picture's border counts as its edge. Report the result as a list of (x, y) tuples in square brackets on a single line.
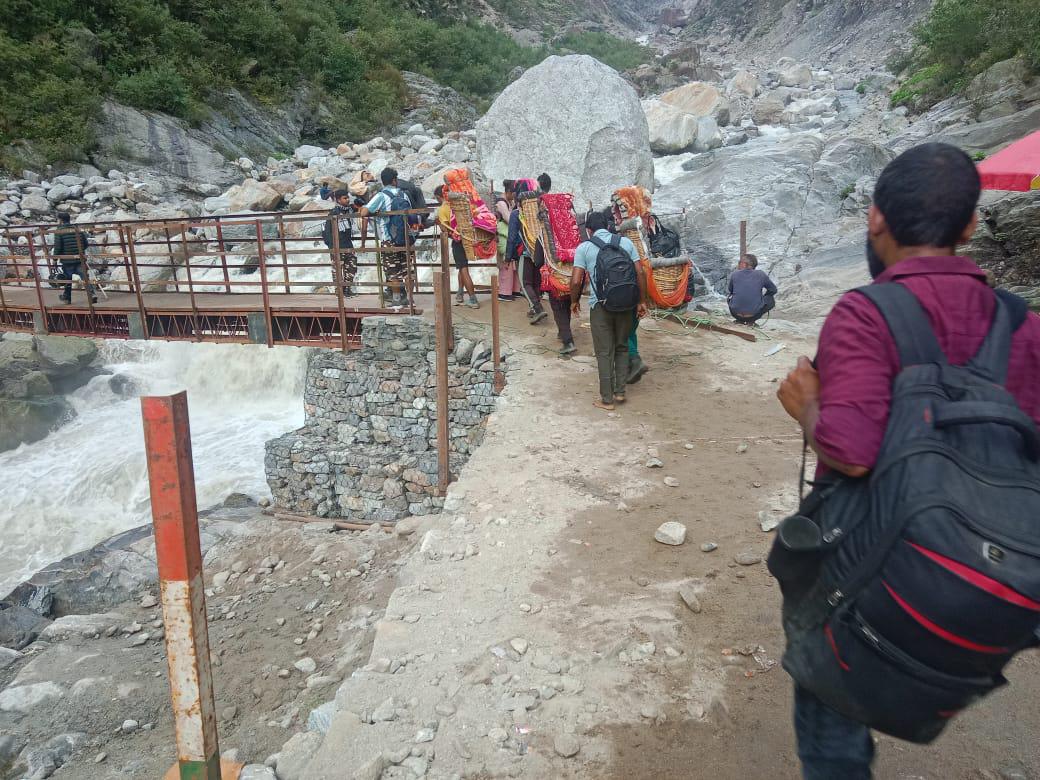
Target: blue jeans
[(830, 746)]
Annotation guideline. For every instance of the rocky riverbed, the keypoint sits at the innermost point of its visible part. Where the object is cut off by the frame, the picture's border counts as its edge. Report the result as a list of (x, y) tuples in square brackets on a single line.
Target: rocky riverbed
[(291, 614)]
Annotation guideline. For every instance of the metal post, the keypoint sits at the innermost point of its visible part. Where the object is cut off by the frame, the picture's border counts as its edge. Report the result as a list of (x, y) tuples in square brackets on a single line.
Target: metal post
[(261, 254), (36, 277), (743, 238), (446, 270), (338, 280), (171, 476), (443, 441), (285, 254), (496, 344), (169, 255), (411, 272), (191, 286), (223, 256), (132, 249)]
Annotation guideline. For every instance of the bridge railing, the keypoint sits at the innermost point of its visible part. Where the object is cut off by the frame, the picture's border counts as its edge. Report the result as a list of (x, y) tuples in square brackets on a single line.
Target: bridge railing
[(271, 256)]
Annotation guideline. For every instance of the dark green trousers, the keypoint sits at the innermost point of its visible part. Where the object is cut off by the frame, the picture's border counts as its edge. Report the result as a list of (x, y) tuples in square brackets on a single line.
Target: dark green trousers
[(610, 332)]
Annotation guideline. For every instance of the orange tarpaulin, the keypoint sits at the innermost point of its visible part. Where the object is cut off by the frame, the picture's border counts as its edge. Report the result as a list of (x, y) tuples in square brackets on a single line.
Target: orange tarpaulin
[(1015, 169)]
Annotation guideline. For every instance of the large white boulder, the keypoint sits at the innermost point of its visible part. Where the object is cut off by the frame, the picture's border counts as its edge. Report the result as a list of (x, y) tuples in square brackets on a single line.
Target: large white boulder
[(577, 120), (305, 153), (253, 195), (743, 83), (797, 75), (671, 130), (699, 99)]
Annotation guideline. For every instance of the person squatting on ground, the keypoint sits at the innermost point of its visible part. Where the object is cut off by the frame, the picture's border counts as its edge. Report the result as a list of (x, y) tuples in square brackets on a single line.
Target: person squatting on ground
[(341, 218), (392, 233), (458, 251), (751, 292), (923, 207), (530, 259), (617, 295), (70, 248)]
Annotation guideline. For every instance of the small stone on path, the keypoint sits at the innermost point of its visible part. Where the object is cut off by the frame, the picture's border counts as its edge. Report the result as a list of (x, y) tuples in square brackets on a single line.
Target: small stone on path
[(672, 533), (566, 745), (747, 559), (148, 601), (654, 463), (709, 547), (671, 482), (688, 593), (129, 726), (518, 644)]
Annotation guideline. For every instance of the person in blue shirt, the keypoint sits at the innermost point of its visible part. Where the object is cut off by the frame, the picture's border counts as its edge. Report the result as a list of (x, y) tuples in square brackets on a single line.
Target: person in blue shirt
[(610, 329), (751, 292), (395, 263)]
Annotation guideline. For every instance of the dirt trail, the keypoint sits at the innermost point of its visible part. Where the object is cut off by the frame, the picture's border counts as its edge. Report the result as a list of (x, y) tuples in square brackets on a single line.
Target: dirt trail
[(720, 708)]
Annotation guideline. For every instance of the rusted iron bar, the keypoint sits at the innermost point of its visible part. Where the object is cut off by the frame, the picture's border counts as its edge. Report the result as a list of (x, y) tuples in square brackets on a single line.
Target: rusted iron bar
[(338, 281), (132, 249), (44, 322), (191, 286), (443, 440), (743, 238), (338, 523), (261, 256), (223, 256), (496, 343), (285, 254), (171, 476)]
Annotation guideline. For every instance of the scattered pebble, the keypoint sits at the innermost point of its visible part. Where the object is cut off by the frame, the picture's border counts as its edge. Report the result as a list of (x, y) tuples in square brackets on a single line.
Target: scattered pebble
[(654, 463), (148, 601), (129, 726), (100, 758), (767, 521), (747, 559), (688, 594), (518, 644), (709, 547), (671, 482), (672, 533), (306, 665), (498, 735), (742, 448), (566, 745)]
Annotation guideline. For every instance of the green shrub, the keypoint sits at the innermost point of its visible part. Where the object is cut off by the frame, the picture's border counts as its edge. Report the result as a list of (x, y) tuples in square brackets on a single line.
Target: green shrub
[(961, 38), (861, 88), (615, 52), (159, 88)]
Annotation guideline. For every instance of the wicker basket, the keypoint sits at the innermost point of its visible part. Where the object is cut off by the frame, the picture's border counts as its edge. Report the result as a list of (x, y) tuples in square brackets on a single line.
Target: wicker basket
[(469, 235)]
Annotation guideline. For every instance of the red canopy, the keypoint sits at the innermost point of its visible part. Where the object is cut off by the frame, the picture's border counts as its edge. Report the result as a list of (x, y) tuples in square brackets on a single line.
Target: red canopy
[(1016, 168)]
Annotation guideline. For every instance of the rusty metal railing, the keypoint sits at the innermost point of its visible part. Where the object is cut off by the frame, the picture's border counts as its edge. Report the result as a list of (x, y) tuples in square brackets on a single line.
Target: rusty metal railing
[(204, 278)]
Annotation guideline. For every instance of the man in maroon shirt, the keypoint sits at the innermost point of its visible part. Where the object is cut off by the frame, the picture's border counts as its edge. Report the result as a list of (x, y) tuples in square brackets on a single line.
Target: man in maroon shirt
[(924, 206)]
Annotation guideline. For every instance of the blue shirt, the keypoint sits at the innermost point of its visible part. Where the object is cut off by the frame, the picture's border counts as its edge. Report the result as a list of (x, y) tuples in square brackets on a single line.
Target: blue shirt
[(746, 289), (382, 202), (587, 252)]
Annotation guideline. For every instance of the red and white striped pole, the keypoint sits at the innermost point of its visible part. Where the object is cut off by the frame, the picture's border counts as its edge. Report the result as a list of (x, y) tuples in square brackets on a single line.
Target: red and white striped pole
[(171, 476)]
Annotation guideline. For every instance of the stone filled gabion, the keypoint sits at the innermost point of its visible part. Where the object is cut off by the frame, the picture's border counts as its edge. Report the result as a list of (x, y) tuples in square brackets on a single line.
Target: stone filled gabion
[(368, 446)]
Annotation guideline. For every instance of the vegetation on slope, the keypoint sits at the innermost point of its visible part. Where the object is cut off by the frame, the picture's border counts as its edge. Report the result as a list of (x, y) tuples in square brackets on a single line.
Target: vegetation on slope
[(61, 58), (959, 39)]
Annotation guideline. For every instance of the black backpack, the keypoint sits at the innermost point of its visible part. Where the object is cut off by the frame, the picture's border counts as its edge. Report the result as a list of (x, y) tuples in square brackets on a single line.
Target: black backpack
[(617, 283), (399, 224), (664, 242), (908, 591)]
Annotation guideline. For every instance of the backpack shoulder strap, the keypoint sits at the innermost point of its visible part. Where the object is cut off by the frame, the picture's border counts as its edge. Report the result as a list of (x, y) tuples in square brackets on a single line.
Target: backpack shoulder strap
[(907, 322), (615, 241), (1009, 314), (598, 242)]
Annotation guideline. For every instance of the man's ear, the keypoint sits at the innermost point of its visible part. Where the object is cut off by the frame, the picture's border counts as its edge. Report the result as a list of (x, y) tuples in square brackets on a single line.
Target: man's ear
[(969, 231), (876, 223)]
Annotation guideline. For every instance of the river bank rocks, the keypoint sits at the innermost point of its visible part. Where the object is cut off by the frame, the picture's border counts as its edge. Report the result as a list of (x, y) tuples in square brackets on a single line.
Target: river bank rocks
[(367, 449), (35, 373)]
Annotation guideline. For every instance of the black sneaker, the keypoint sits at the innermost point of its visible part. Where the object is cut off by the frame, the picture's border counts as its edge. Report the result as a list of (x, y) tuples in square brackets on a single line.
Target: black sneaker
[(637, 374), (538, 317), (568, 348)]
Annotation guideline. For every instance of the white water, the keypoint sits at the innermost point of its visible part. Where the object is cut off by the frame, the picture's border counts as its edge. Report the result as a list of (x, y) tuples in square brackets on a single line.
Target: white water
[(87, 480)]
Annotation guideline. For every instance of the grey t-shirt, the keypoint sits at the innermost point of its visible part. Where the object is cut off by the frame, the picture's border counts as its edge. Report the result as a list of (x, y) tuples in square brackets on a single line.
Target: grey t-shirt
[(747, 288)]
